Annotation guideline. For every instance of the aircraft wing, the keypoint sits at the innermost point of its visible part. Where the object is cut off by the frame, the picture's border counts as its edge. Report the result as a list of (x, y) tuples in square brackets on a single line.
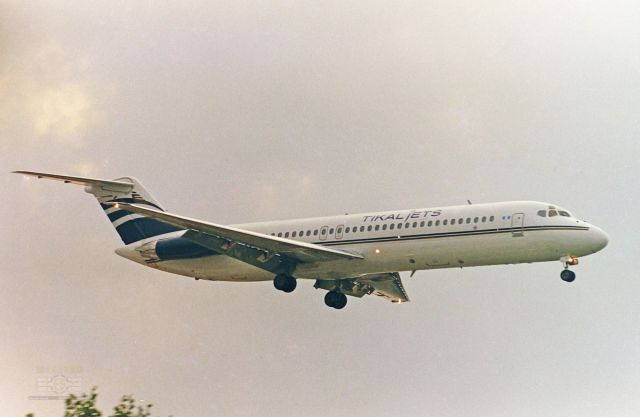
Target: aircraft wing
[(387, 285), (264, 251)]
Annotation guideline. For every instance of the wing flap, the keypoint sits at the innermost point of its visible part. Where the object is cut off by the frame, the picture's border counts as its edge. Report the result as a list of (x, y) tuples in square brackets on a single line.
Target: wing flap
[(387, 285)]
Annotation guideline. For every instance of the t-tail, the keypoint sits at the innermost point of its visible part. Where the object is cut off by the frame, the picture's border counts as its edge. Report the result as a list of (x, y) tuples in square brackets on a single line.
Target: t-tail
[(130, 226)]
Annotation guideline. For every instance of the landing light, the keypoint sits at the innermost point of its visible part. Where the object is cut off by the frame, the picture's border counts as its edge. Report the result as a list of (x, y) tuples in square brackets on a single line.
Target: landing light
[(116, 205), (377, 251)]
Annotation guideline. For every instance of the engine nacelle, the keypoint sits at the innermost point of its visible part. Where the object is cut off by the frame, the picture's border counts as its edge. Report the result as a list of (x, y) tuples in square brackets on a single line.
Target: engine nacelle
[(173, 248)]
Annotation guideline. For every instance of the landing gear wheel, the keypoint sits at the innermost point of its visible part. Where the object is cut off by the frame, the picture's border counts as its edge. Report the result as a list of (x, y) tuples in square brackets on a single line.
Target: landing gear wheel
[(567, 275), (284, 283), (330, 298), (335, 299), (342, 301)]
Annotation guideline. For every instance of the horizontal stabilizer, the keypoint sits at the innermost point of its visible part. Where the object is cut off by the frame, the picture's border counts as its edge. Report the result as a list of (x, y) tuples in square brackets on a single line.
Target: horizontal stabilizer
[(93, 185)]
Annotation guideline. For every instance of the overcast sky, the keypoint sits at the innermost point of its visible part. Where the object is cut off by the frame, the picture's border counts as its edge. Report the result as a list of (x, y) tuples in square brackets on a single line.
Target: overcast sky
[(246, 111)]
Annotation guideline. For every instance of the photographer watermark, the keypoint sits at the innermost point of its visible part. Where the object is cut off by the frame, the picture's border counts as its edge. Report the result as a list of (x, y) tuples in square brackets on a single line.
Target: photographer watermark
[(56, 382)]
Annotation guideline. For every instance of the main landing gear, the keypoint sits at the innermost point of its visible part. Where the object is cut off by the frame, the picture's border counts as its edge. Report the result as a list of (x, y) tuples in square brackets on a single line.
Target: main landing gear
[(335, 299), (284, 282), (567, 275)]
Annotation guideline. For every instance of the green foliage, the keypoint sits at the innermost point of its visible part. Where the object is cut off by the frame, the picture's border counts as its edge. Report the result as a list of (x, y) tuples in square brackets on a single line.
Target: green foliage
[(127, 408), (85, 406), (82, 406)]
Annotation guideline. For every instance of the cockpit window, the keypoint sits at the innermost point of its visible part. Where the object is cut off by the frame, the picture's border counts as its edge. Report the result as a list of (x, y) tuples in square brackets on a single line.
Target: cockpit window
[(564, 213), (542, 213), (553, 213)]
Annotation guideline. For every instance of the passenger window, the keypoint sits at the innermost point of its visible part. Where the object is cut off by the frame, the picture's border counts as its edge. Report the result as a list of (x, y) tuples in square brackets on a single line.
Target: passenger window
[(286, 234), (392, 226), (475, 220), (384, 227), (293, 234), (468, 220), (444, 222), (492, 218), (460, 221), (377, 227), (362, 228), (347, 230), (315, 232), (453, 221), (399, 225), (484, 219), (415, 224), (339, 230), (430, 223), (553, 213), (437, 222), (331, 231), (369, 228), (422, 224), (280, 234)]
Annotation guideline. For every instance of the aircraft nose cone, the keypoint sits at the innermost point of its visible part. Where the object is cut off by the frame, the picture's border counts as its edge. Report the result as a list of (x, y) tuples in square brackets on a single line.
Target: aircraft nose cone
[(599, 238)]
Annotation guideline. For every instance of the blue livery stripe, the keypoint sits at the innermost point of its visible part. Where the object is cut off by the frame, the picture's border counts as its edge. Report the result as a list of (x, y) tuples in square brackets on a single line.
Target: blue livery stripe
[(142, 228), (180, 248), (113, 216)]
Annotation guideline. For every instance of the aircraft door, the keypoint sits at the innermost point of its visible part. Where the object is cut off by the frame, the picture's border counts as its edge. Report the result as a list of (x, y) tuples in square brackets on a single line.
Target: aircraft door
[(324, 230), (517, 224), (339, 231)]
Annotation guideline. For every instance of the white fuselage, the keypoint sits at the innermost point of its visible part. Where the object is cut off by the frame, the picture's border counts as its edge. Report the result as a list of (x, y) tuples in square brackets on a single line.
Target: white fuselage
[(407, 240)]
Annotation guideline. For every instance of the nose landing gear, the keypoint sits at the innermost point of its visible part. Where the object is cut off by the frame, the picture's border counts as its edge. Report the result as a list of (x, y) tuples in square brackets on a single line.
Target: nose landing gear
[(567, 275)]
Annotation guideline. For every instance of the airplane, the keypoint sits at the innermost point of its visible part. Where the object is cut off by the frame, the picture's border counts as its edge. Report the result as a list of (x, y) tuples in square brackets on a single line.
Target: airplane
[(348, 255)]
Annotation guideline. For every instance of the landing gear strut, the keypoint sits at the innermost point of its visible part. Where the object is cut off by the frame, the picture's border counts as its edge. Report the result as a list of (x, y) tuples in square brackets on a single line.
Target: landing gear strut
[(284, 282), (567, 275), (335, 299)]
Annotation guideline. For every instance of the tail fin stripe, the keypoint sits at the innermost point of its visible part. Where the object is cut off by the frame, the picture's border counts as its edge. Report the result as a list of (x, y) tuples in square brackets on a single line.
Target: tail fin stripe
[(115, 215), (125, 219)]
